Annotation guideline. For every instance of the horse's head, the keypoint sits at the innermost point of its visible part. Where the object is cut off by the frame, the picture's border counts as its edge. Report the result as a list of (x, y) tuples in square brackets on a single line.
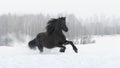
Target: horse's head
[(57, 25), (62, 23)]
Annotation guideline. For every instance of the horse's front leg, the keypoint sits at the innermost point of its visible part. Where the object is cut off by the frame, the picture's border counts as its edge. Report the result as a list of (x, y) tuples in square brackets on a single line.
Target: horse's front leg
[(63, 48), (74, 47)]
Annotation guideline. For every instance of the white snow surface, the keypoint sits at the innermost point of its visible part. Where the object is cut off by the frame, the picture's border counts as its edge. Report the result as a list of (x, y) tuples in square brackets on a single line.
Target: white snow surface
[(105, 53)]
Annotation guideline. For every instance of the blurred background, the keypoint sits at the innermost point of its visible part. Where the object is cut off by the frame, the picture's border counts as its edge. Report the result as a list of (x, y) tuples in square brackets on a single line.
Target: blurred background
[(84, 18)]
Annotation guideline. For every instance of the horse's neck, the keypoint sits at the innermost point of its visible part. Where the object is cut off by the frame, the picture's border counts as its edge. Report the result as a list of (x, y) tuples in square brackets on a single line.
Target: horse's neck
[(60, 34)]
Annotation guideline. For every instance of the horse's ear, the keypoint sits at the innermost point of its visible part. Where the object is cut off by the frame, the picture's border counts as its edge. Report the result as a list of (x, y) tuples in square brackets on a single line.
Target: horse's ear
[(59, 18), (64, 18)]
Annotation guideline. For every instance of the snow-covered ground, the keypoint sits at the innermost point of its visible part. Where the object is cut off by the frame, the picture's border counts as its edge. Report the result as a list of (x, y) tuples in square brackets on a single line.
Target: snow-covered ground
[(105, 53)]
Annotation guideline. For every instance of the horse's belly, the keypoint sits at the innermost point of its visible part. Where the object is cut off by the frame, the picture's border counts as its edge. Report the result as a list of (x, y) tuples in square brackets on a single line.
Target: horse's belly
[(49, 43)]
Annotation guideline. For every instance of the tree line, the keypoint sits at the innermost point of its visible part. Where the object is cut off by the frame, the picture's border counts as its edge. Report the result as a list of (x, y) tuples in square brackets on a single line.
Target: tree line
[(34, 24)]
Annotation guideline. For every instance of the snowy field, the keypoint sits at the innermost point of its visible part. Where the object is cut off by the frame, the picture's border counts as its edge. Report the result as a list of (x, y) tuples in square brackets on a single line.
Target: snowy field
[(105, 53)]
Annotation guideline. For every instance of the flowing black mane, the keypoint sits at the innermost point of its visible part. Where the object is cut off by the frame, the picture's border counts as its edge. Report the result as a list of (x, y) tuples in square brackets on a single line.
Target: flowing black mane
[(51, 25)]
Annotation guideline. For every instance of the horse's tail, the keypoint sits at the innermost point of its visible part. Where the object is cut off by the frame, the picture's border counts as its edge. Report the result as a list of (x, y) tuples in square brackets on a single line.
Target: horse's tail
[(32, 44)]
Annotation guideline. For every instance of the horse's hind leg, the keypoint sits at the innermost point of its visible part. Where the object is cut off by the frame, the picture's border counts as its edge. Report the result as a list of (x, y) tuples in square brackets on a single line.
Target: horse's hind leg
[(40, 47)]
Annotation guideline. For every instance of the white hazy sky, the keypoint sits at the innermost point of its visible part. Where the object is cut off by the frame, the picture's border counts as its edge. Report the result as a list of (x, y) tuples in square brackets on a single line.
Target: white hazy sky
[(82, 8)]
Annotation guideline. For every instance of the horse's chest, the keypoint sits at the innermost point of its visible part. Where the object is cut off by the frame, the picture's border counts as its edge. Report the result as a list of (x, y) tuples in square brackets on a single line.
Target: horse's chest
[(60, 38)]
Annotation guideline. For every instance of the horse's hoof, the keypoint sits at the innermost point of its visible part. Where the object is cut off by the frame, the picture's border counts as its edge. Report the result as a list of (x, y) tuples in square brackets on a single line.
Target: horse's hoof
[(62, 50), (76, 50)]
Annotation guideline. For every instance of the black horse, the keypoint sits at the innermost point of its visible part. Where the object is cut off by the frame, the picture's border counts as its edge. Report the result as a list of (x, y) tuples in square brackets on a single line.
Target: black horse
[(53, 37)]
